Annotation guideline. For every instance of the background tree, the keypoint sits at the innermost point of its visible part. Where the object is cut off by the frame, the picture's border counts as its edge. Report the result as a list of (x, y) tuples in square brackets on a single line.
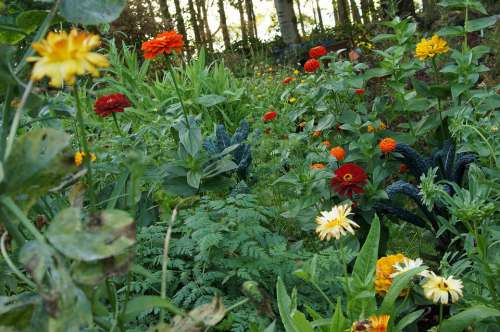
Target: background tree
[(181, 26), (223, 24), (168, 23), (301, 18), (287, 21)]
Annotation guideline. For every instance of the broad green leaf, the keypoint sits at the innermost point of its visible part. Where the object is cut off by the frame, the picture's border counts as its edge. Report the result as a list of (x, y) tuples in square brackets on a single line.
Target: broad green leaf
[(140, 304), (284, 303), (325, 122), (92, 12), (376, 72), (480, 23), (91, 237), (451, 31), (17, 310), (460, 321), (408, 319), (210, 100), (338, 323), (93, 273), (29, 20), (399, 283), (194, 179), (301, 322)]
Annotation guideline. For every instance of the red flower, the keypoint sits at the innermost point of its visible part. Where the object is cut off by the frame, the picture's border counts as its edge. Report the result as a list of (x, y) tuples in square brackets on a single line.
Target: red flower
[(403, 168), (163, 43), (287, 80), (360, 91), (269, 116), (317, 52), (113, 103), (311, 65), (349, 179)]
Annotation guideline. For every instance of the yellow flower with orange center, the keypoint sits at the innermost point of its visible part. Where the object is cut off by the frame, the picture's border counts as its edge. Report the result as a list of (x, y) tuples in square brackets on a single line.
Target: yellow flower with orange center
[(429, 48), (335, 223), (384, 270), (80, 155), (64, 56)]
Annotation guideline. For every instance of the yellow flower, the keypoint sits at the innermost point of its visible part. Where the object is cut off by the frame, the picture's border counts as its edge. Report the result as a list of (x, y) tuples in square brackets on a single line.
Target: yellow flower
[(292, 100), (382, 126), (259, 74), (370, 129), (80, 155), (384, 271), (439, 289), (429, 48), (63, 56), (379, 323), (296, 72), (335, 223)]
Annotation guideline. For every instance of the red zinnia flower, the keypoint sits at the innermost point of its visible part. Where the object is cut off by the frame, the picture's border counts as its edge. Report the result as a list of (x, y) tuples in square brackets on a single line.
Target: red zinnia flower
[(311, 65), (349, 179), (113, 103), (288, 80), (269, 116), (317, 52), (360, 91), (163, 43)]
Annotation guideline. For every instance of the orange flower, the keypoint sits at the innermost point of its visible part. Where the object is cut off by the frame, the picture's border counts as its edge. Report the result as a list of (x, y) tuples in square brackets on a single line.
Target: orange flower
[(317, 166), (387, 145), (379, 323), (382, 126), (317, 133), (163, 43), (370, 129), (338, 152), (326, 143), (384, 269)]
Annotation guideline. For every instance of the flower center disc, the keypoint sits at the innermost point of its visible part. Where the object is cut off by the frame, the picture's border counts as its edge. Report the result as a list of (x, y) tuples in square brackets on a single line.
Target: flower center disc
[(347, 177)]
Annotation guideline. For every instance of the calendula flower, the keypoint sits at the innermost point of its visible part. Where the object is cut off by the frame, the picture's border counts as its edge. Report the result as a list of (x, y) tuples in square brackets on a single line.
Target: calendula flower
[(317, 52), (292, 100), (311, 65), (296, 72), (64, 56), (384, 270), (269, 116), (80, 155), (163, 43), (338, 152), (349, 179), (387, 145), (408, 264), (317, 166), (379, 323), (439, 289), (335, 223), (113, 103), (429, 48)]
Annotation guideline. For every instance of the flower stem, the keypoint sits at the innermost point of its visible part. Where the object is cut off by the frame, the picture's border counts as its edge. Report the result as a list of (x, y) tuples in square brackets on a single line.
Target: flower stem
[(436, 79), (115, 120), (174, 80), (83, 139), (344, 264), (11, 265), (12, 207), (322, 293), (440, 316)]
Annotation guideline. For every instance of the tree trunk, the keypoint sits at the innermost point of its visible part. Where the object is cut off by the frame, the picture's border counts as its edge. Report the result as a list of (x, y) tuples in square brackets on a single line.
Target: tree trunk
[(287, 21), (181, 27), (320, 16), (250, 18), (167, 17), (355, 12), (373, 12), (201, 24), (343, 10), (208, 33), (254, 20), (194, 23), (335, 9), (244, 34), (223, 25), (365, 11), (406, 8), (301, 19), (431, 13)]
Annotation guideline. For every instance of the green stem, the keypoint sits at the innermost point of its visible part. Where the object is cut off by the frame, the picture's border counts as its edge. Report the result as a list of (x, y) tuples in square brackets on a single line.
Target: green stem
[(466, 25), (236, 305), (124, 308), (83, 139), (436, 79), (174, 80), (12, 228), (322, 293), (11, 265), (111, 290), (115, 120), (5, 119), (440, 316), (344, 264), (10, 205), (492, 152)]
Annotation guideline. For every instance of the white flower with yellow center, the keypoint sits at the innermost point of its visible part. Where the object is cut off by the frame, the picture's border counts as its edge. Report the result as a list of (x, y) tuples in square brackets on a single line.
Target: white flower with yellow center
[(408, 264), (335, 223), (440, 289)]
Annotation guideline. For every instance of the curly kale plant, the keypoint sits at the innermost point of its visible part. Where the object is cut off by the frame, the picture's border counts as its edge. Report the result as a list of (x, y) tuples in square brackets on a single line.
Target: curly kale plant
[(242, 155), (444, 165)]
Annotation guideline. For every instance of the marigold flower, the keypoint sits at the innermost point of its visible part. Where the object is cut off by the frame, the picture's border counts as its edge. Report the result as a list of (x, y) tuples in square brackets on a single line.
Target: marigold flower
[(359, 91), (163, 43), (296, 72), (80, 155), (338, 152), (387, 145), (384, 271), (64, 56), (379, 323), (317, 166), (326, 143), (335, 223), (429, 48), (317, 52), (439, 289), (292, 100), (311, 65), (113, 103), (269, 116), (288, 80), (349, 179), (317, 133)]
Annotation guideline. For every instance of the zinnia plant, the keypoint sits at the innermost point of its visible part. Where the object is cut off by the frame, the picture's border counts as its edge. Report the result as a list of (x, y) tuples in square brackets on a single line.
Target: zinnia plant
[(349, 179), (311, 65), (317, 52), (163, 43), (110, 104), (269, 116)]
